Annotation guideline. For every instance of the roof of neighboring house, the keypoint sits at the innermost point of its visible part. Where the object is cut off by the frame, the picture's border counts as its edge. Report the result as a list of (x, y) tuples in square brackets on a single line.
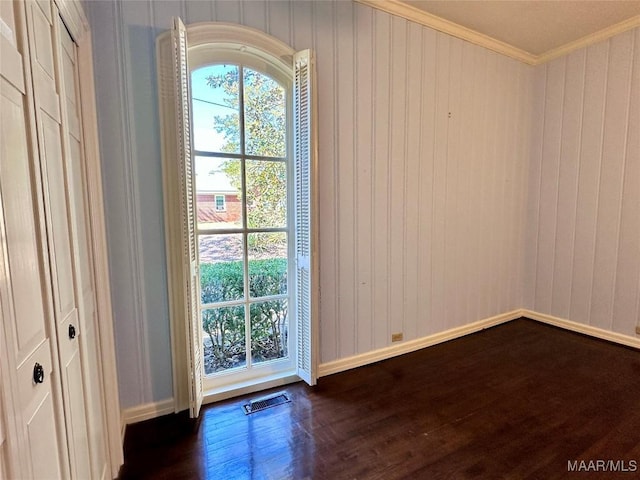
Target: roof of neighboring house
[(215, 181)]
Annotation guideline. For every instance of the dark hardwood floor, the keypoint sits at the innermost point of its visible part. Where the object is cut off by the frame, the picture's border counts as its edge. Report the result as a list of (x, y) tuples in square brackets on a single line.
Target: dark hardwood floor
[(516, 401)]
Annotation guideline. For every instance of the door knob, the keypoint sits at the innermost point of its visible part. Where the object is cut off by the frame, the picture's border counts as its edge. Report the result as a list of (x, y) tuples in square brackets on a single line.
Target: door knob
[(38, 373), (72, 332)]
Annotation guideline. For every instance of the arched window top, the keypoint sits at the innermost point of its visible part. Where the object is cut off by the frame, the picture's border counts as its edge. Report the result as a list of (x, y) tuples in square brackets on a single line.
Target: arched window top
[(216, 42)]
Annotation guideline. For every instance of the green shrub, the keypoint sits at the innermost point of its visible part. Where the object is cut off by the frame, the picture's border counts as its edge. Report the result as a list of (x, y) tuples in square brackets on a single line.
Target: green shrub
[(225, 326)]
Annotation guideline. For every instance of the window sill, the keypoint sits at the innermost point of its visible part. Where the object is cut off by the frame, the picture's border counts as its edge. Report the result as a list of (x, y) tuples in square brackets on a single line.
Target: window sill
[(250, 386)]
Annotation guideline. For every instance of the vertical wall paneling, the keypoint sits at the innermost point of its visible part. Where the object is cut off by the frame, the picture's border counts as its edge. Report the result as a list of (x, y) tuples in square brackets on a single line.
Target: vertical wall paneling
[(382, 44), (229, 12), (504, 253), (396, 187), (146, 176), (302, 15), (111, 114), (499, 179), (486, 213), (510, 122), (551, 152), (611, 169), (450, 117), (463, 237), (253, 13), (440, 182), (488, 190), (201, 12), (450, 220), (589, 235), (419, 211), (345, 179), (525, 83), (567, 182), (413, 91), (588, 180), (324, 41), (279, 21), (108, 115), (125, 61), (626, 308), (364, 18), (475, 150), (425, 196), (537, 116)]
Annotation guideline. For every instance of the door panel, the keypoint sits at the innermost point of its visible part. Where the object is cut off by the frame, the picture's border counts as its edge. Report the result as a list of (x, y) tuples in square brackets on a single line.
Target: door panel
[(23, 302), (44, 33), (64, 298), (42, 58), (54, 427), (76, 414), (41, 434), (89, 351), (20, 224)]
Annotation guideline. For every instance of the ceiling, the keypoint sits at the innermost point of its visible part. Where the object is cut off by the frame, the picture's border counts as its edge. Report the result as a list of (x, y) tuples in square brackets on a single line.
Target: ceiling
[(536, 27), (532, 31)]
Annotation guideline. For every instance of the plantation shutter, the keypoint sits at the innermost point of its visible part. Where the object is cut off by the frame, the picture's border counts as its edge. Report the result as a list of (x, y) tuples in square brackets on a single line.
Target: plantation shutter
[(305, 159), (189, 248)]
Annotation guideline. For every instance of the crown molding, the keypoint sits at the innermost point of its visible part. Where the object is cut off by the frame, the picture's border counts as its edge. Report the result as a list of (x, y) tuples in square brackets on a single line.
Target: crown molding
[(408, 12), (396, 7), (590, 39)]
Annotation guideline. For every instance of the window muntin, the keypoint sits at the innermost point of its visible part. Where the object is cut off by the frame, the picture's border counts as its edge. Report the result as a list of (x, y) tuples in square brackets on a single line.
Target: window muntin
[(240, 119)]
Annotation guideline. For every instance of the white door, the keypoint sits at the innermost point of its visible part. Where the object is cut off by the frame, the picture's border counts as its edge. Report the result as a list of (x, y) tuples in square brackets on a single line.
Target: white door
[(86, 330), (38, 449), (4, 448), (44, 31)]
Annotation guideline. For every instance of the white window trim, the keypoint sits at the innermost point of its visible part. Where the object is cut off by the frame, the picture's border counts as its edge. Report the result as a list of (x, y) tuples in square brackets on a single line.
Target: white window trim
[(224, 203), (232, 41)]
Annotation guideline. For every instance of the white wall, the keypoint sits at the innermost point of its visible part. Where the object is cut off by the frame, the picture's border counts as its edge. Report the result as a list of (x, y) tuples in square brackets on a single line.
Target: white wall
[(424, 151), (584, 207)]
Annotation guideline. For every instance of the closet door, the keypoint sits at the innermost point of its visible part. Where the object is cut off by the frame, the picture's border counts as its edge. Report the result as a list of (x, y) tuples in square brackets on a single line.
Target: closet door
[(86, 330), (4, 451), (31, 400), (44, 31)]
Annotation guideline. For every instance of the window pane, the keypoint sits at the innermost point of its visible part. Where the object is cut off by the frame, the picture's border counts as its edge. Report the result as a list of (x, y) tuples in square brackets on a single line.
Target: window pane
[(269, 330), (223, 339), (218, 200), (266, 194), (221, 270), (264, 115), (267, 264), (215, 108)]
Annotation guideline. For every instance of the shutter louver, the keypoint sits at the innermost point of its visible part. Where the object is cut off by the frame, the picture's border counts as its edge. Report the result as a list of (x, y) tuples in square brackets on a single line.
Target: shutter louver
[(190, 252), (305, 191)]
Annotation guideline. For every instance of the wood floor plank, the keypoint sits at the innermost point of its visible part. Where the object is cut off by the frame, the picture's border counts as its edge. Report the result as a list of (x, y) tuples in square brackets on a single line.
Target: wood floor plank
[(518, 401)]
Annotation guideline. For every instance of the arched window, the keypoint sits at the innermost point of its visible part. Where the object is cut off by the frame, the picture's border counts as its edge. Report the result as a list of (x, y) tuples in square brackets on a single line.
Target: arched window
[(236, 108)]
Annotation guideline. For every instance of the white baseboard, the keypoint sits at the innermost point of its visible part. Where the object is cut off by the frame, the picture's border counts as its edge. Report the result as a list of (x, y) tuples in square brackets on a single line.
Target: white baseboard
[(582, 328), (147, 411), (164, 407), (355, 361)]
